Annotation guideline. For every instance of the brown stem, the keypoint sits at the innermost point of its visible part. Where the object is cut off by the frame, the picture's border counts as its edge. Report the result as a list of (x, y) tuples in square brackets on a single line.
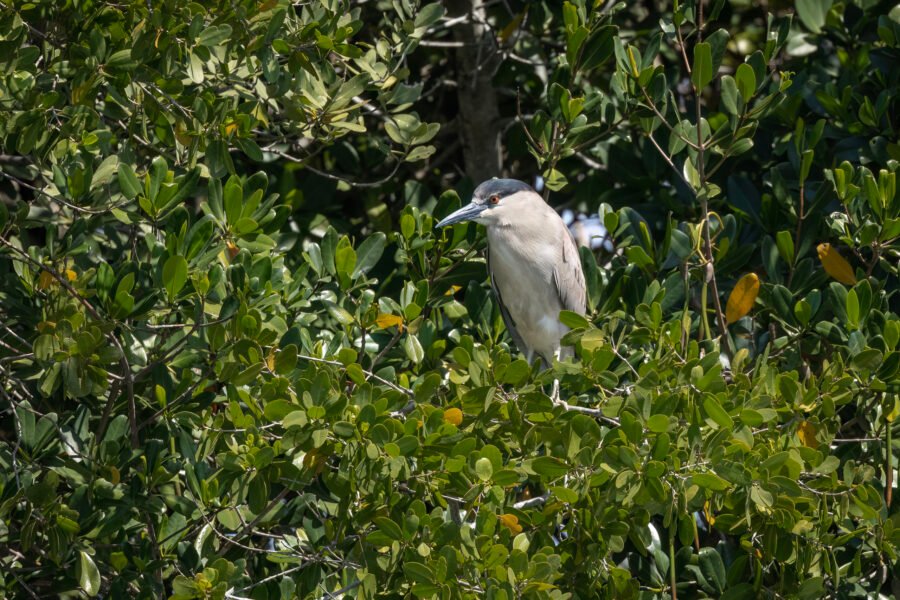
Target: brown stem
[(704, 203), (889, 467), (668, 125), (800, 218)]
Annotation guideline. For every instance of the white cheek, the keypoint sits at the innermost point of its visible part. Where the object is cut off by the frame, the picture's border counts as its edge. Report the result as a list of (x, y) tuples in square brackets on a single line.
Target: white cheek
[(486, 217)]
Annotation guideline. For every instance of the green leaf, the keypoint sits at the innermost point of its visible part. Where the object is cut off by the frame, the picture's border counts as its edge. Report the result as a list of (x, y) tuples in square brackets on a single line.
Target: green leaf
[(484, 469), (573, 320), (549, 467), (214, 35), (710, 481), (746, 81), (429, 14), (128, 181), (555, 180), (691, 174), (852, 309), (420, 153), (88, 574), (715, 412), (198, 237), (418, 572), (763, 499), (717, 40), (195, 68), (389, 528), (174, 275), (702, 68), (345, 259), (234, 200), (785, 242), (250, 148), (218, 160), (157, 175), (413, 348), (812, 13), (564, 494), (730, 99), (368, 254), (713, 568), (286, 359), (806, 160), (121, 60), (658, 423), (105, 171)]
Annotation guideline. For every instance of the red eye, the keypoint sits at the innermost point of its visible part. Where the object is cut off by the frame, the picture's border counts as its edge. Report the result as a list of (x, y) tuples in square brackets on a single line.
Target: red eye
[(495, 199)]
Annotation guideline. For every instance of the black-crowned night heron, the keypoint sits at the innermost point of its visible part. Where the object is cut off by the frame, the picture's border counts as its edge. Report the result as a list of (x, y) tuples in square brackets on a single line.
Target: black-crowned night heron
[(533, 262)]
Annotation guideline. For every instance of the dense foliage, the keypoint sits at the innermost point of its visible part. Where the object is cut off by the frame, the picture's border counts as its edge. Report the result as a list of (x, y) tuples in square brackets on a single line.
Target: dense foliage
[(237, 361)]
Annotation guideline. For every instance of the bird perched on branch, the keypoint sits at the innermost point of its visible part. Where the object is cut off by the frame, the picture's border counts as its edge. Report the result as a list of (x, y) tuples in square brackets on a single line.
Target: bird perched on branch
[(533, 262)]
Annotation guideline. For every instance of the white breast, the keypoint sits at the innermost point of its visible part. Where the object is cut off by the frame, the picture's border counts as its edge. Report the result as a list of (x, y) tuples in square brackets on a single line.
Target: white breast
[(523, 273)]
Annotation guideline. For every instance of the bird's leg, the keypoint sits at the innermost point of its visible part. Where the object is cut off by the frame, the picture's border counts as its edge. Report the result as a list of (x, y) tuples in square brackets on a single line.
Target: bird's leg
[(554, 395)]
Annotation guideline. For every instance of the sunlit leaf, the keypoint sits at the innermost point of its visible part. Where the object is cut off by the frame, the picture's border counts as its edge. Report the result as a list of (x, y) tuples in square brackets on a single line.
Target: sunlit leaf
[(836, 265)]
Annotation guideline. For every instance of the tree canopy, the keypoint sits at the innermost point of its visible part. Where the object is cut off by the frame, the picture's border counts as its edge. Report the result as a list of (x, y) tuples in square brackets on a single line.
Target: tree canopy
[(237, 360)]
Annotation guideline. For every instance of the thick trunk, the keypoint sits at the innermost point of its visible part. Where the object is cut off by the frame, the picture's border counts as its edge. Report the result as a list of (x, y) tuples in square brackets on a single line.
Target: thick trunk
[(479, 117)]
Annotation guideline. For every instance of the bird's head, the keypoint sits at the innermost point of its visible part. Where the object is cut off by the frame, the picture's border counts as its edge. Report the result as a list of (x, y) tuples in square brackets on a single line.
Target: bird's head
[(492, 200)]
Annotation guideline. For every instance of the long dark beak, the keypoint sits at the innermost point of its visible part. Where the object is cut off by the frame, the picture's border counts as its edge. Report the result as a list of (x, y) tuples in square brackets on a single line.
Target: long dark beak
[(468, 212)]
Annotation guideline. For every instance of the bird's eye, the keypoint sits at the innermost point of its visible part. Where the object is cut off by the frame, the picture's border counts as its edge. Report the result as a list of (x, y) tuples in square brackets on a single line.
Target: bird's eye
[(495, 199)]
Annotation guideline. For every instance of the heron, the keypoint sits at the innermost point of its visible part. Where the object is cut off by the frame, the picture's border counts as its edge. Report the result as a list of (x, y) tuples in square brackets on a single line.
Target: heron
[(533, 263)]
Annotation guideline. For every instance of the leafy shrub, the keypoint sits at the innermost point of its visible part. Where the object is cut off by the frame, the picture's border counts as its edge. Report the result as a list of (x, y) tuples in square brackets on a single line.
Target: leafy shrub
[(238, 361)]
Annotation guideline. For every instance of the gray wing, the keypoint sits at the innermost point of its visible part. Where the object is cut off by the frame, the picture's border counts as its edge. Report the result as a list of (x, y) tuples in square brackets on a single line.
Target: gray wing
[(569, 277), (507, 318)]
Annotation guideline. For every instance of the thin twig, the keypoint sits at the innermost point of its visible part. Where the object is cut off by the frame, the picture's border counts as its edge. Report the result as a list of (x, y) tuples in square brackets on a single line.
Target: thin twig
[(593, 412), (59, 199), (368, 374), (531, 502), (343, 590), (331, 176)]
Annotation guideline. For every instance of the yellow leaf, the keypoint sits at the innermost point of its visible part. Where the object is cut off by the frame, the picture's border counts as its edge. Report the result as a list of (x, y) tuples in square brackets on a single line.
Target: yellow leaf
[(807, 434), (742, 297), (836, 265), (453, 289), (510, 29), (710, 517), (270, 359), (71, 275), (891, 416), (389, 83), (181, 134), (385, 320), (316, 459), (511, 522), (631, 59), (454, 416), (259, 113), (45, 280), (231, 128)]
